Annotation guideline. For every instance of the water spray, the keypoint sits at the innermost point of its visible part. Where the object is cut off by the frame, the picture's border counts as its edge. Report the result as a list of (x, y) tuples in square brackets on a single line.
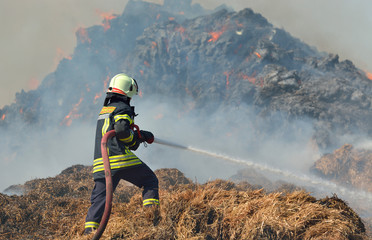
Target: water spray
[(311, 180)]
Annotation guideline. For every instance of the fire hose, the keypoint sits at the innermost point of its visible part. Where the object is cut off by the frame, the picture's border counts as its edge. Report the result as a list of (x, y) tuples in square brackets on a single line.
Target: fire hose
[(109, 187), (108, 176)]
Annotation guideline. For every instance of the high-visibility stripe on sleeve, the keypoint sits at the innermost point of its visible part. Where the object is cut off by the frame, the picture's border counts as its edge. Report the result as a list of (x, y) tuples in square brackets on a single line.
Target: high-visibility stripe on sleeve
[(91, 224), (151, 201), (123, 116), (127, 140)]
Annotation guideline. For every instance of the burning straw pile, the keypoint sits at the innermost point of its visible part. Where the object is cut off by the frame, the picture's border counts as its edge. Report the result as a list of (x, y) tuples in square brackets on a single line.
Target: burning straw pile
[(55, 208)]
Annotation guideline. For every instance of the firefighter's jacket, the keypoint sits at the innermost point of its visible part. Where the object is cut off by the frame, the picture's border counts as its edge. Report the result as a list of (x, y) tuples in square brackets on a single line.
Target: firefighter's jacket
[(115, 113)]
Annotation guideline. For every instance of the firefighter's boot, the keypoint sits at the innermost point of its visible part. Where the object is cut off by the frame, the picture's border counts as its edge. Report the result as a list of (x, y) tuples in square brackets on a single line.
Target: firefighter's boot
[(152, 214)]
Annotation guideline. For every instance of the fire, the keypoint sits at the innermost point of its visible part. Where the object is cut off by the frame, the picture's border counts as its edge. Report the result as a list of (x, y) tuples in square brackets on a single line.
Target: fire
[(216, 35), (154, 44), (252, 79), (171, 18), (73, 114), (107, 17), (146, 63), (158, 16), (369, 75), (227, 79), (3, 117), (181, 30), (98, 95), (105, 83), (141, 71), (258, 55), (249, 79), (239, 24), (83, 35), (21, 110)]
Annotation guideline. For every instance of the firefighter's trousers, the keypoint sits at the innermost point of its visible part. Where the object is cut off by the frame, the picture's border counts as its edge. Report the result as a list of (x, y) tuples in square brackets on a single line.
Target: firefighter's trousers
[(140, 175)]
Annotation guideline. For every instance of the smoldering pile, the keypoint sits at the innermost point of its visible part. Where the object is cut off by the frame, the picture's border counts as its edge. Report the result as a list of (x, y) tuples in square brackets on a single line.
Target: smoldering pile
[(56, 207)]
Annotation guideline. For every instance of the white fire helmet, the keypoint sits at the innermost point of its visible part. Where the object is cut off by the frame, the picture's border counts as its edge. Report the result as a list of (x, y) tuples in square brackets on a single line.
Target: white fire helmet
[(124, 85)]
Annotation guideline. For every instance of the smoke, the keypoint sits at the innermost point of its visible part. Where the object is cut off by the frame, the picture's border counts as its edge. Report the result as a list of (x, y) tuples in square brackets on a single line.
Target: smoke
[(44, 153), (238, 133)]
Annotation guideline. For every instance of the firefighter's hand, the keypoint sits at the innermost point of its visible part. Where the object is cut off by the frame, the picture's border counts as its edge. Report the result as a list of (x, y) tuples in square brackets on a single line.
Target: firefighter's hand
[(147, 136), (135, 146)]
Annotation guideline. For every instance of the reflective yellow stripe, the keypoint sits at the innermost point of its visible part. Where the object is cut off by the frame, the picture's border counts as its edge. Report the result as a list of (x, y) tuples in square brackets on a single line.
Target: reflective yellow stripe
[(91, 224), (125, 117), (151, 201), (117, 165), (116, 161), (114, 158), (105, 126), (128, 139)]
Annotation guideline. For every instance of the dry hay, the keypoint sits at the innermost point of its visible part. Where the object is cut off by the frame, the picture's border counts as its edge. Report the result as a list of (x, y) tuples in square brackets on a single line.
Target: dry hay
[(215, 210), (347, 165)]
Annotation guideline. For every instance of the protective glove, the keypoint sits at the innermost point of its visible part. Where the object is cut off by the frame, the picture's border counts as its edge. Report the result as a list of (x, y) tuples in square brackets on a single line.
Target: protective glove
[(147, 136), (135, 146)]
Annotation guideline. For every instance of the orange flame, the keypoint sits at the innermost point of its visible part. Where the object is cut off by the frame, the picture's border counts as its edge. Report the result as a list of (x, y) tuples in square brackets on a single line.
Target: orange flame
[(181, 30), (21, 110), (258, 55), (216, 35), (105, 83), (107, 17), (250, 79), (73, 114), (227, 79), (369, 75), (3, 117), (154, 44), (146, 63), (98, 95), (83, 35), (171, 18), (158, 16), (239, 24)]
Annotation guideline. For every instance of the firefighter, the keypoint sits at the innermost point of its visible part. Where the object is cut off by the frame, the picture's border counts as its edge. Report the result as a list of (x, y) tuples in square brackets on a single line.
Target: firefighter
[(118, 114)]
